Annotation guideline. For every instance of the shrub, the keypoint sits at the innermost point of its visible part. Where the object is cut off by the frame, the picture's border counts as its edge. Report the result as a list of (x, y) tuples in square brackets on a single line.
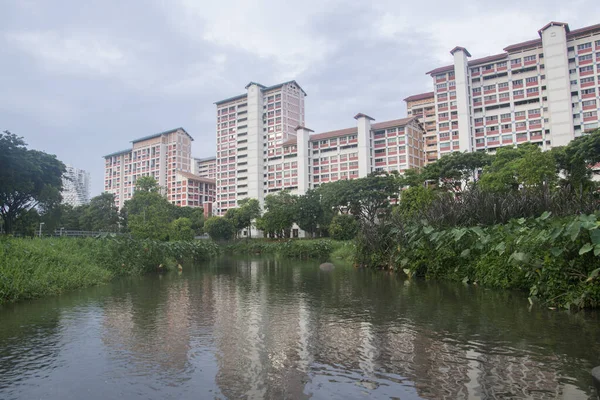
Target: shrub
[(343, 227), (220, 229)]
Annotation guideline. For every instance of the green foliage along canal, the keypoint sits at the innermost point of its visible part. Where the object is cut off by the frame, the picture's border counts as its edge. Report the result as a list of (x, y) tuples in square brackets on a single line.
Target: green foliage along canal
[(239, 328)]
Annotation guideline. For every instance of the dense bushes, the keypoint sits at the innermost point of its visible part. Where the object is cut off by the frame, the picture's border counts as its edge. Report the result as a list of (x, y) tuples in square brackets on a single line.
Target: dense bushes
[(343, 227), (33, 268), (554, 259), (319, 249)]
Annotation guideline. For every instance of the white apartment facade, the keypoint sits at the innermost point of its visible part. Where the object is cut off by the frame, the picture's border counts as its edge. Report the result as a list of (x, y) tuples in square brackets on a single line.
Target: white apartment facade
[(205, 167), (544, 91), (166, 156), (76, 186)]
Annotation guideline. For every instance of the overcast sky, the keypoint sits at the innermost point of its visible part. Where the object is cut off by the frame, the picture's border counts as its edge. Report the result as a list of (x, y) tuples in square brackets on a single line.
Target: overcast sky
[(81, 79)]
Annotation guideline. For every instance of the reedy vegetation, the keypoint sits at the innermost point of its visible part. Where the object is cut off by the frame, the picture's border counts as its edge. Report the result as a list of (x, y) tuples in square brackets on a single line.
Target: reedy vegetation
[(31, 268)]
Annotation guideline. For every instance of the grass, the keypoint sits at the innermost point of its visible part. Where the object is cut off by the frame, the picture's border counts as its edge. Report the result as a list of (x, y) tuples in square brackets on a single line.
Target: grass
[(31, 268), (321, 249)]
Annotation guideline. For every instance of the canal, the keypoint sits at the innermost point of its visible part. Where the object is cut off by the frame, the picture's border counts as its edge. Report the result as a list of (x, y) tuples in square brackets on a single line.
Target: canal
[(261, 328)]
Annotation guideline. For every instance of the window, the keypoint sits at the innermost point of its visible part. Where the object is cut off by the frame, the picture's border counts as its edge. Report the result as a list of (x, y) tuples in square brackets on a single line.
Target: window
[(588, 91), (586, 68), (493, 118), (529, 58), (532, 90), (515, 61), (476, 91), (520, 124), (584, 46), (478, 120), (518, 82), (489, 98), (488, 67), (597, 43), (490, 87), (585, 57), (502, 85), (505, 95), (474, 70), (442, 97), (589, 103), (586, 80), (443, 105), (518, 93), (441, 86), (505, 116), (532, 79), (478, 130), (534, 111), (501, 64), (519, 114), (590, 114)]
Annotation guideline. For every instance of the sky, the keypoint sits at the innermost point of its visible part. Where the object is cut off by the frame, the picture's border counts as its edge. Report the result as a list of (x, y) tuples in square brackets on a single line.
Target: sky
[(81, 79)]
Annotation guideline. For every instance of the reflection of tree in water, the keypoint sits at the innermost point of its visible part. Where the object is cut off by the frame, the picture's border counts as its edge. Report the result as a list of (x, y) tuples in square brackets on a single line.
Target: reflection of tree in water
[(150, 332)]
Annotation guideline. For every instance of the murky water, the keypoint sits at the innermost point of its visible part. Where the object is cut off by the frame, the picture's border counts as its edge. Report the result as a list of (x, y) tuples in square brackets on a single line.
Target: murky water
[(269, 329)]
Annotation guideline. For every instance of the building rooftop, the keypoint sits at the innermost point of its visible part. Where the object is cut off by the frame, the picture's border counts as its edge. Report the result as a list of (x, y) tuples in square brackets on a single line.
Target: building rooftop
[(483, 60), (332, 134), (439, 70), (117, 153), (213, 158), (421, 96), (394, 122), (160, 134), (262, 88), (189, 175)]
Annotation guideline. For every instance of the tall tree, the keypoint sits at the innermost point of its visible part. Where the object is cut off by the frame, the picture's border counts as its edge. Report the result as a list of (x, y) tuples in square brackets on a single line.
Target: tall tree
[(279, 216), (310, 213), (148, 213), (455, 170), (101, 214), (28, 179)]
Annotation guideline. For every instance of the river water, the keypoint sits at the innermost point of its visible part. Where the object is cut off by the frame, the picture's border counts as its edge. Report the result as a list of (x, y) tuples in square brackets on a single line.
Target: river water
[(241, 328)]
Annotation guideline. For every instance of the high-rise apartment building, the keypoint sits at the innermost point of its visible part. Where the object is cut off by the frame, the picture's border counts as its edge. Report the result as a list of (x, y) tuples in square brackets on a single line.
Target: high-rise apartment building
[(422, 106), (76, 186), (251, 131), (205, 167), (166, 156), (545, 91)]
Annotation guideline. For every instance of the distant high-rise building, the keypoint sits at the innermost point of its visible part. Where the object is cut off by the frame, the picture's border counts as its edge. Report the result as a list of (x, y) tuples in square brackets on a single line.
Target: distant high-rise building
[(165, 156), (544, 91), (76, 186), (205, 167)]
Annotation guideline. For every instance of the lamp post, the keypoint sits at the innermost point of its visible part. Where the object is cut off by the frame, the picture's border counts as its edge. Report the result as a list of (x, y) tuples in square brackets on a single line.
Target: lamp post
[(41, 224)]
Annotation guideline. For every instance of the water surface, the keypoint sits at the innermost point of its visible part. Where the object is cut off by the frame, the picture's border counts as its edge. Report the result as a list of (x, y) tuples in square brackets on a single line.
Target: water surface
[(240, 328)]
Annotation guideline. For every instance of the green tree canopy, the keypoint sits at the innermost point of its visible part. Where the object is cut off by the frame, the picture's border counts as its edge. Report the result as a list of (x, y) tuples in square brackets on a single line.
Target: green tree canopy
[(181, 229), (280, 214), (310, 212), (148, 213), (343, 227), (28, 179), (219, 228), (453, 171), (101, 214)]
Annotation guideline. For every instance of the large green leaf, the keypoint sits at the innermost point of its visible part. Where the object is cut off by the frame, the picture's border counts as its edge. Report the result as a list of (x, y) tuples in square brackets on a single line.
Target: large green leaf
[(586, 248), (595, 236), (593, 275)]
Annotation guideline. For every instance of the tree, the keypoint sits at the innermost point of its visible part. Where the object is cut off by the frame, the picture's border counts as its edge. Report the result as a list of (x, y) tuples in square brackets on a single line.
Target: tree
[(577, 159), (310, 213), (343, 227), (101, 214), (414, 200), (249, 211), (370, 197), (148, 212), (512, 168), (28, 179), (181, 229), (219, 228), (194, 214), (453, 171), (279, 216)]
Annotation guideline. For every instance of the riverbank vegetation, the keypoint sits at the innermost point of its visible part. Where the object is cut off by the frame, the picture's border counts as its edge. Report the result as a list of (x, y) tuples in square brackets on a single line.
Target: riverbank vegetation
[(31, 268), (318, 249)]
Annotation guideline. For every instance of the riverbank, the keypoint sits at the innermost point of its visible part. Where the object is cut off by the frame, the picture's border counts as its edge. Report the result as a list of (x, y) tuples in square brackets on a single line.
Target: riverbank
[(319, 249), (555, 260), (31, 268)]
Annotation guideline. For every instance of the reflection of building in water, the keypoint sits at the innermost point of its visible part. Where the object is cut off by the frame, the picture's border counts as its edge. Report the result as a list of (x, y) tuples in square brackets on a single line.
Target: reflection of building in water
[(151, 334)]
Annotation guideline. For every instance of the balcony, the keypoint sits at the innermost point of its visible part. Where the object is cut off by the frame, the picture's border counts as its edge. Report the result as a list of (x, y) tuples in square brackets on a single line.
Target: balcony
[(586, 73), (440, 80), (442, 119), (535, 126), (519, 96), (479, 145), (590, 107), (479, 134), (588, 96), (507, 141), (506, 130), (440, 109), (521, 128), (488, 71), (585, 51), (529, 84), (530, 62), (587, 84), (586, 62), (593, 118), (474, 74), (491, 102), (536, 136), (491, 91), (500, 69)]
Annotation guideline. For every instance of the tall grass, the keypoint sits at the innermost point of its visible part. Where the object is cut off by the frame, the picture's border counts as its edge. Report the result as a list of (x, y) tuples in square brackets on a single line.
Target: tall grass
[(320, 249), (31, 268)]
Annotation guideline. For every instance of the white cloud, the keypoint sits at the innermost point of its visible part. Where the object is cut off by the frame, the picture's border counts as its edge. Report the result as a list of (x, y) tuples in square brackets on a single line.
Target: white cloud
[(70, 54), (277, 30)]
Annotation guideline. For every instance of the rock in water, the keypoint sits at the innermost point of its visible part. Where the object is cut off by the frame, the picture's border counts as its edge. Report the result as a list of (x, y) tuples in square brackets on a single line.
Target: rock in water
[(327, 267), (596, 379)]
